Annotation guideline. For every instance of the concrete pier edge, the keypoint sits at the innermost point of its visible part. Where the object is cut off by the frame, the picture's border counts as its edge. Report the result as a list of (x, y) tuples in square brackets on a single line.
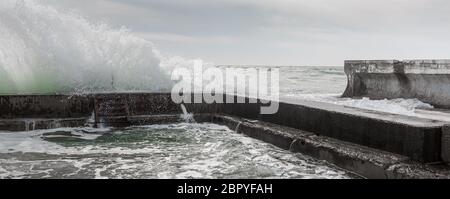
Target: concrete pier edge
[(446, 143), (426, 80), (363, 161)]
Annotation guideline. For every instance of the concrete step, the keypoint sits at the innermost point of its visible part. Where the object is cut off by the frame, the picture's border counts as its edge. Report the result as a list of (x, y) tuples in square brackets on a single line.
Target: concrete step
[(362, 160), (116, 109), (113, 121), (111, 111)]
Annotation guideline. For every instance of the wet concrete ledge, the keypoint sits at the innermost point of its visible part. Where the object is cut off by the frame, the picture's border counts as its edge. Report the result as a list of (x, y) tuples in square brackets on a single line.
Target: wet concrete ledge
[(418, 139), (73, 106), (30, 124), (426, 80), (363, 161)]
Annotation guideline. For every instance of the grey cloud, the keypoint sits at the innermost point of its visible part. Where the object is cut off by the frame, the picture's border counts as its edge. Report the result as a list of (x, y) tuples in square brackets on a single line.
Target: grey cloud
[(302, 32)]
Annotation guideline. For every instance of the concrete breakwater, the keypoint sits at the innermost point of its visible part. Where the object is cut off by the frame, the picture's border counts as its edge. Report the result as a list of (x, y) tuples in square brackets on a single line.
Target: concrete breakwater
[(370, 143), (426, 80)]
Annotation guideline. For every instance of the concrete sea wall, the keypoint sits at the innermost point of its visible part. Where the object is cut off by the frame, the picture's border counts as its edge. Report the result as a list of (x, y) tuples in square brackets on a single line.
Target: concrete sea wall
[(70, 106), (363, 161), (373, 144), (418, 139), (45, 106), (426, 80)]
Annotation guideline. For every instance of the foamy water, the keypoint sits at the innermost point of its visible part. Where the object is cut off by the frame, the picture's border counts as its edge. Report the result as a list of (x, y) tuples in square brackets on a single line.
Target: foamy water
[(406, 107), (185, 150)]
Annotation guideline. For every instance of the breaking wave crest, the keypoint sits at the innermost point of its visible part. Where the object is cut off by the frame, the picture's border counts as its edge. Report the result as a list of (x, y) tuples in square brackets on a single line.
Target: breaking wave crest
[(45, 50)]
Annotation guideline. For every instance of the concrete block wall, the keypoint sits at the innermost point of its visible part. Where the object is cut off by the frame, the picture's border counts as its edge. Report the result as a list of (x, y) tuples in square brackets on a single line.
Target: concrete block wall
[(446, 143), (73, 106), (45, 106), (426, 80)]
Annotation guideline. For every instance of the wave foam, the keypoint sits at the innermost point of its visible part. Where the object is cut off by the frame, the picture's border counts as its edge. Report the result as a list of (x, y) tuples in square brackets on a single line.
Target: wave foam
[(399, 106), (43, 49)]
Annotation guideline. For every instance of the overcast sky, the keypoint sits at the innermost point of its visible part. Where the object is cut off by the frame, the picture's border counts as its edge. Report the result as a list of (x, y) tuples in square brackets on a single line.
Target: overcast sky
[(281, 32)]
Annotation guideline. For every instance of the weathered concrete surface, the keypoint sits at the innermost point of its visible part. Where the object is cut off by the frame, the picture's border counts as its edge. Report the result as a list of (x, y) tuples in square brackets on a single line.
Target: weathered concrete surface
[(446, 143), (417, 138), (44, 106), (38, 124), (109, 109), (426, 80), (364, 161), (141, 103), (67, 106), (21, 124), (118, 109)]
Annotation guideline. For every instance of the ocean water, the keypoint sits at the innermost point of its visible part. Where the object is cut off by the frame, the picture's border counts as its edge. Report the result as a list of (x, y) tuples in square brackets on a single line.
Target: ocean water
[(184, 150), (328, 83), (295, 81), (304, 80)]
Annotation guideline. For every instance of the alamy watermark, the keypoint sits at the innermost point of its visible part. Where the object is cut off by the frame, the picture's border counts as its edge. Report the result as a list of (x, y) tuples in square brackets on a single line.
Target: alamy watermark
[(215, 85)]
